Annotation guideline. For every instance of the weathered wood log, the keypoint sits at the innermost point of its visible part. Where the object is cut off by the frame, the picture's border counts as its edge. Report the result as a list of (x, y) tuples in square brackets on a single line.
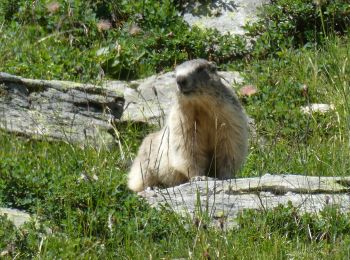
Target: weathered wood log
[(226, 199)]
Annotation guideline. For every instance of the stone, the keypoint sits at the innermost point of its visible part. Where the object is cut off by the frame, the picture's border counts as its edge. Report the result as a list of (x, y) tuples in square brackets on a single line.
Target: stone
[(317, 108), (226, 16), (18, 217), (68, 111), (86, 113), (225, 199)]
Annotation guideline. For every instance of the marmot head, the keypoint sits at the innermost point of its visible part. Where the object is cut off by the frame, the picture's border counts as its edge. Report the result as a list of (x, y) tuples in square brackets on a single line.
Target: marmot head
[(196, 76)]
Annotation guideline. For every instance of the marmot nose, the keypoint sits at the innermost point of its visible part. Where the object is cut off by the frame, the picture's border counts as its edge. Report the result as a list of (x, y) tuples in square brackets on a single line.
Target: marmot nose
[(182, 82)]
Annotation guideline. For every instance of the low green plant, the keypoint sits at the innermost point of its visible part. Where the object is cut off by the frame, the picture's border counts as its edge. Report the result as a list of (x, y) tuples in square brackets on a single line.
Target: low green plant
[(7, 10), (74, 192), (319, 141), (286, 24), (90, 40), (330, 225)]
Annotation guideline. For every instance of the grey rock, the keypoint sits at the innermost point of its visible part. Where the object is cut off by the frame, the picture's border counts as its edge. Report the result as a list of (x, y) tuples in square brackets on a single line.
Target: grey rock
[(317, 108), (227, 16), (225, 199), (18, 217), (149, 99), (85, 113), (63, 110)]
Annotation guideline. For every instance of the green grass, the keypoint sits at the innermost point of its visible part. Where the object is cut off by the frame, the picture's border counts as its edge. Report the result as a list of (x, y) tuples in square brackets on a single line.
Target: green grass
[(316, 144), (67, 44), (102, 219), (78, 197)]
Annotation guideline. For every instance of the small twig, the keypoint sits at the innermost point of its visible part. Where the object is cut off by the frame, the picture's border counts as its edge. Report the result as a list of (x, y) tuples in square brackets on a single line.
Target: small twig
[(261, 203)]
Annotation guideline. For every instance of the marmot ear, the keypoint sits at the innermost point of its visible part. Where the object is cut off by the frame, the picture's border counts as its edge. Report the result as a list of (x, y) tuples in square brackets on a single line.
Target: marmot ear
[(212, 66)]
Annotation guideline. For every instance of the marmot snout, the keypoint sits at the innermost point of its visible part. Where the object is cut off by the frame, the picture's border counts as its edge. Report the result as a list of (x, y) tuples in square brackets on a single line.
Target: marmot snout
[(205, 134)]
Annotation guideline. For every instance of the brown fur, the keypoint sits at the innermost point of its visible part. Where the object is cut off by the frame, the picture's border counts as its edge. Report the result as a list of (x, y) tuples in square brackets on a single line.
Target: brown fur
[(205, 133)]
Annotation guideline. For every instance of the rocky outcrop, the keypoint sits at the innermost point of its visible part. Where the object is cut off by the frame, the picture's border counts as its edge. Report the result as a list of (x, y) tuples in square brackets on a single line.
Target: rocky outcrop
[(85, 113), (227, 16), (63, 110), (223, 200)]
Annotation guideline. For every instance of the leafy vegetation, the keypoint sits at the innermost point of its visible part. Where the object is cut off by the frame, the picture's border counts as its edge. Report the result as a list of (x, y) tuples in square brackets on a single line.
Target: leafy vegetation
[(78, 197), (120, 39), (289, 24), (125, 40)]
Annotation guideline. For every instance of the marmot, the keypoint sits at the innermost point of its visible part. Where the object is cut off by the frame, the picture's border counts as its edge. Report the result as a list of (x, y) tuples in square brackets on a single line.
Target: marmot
[(206, 133)]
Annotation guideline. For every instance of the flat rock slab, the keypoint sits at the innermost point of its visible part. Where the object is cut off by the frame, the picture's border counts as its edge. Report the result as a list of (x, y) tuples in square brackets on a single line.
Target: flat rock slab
[(226, 199), (18, 217), (85, 113), (227, 16), (63, 110)]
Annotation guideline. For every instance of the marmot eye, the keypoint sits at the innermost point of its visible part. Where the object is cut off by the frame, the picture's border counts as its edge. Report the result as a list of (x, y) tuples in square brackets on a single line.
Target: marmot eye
[(200, 69), (182, 82)]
